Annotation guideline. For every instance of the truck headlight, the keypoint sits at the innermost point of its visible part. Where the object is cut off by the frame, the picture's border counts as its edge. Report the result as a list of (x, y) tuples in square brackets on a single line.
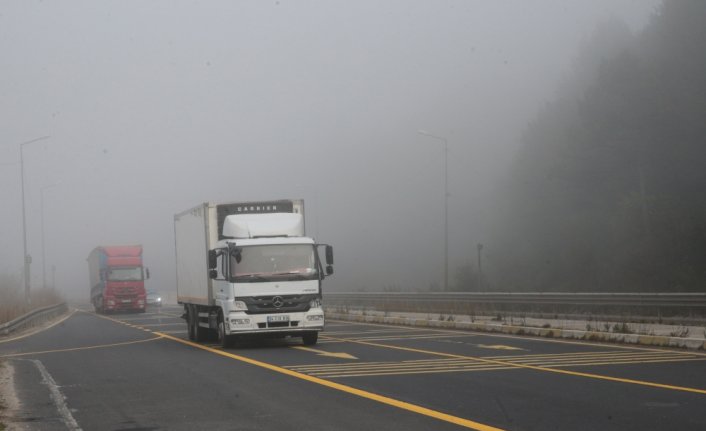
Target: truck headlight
[(240, 306), (315, 317), (315, 303)]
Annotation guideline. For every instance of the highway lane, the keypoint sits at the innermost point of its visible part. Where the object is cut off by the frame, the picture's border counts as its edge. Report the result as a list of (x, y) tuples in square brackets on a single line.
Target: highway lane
[(139, 372)]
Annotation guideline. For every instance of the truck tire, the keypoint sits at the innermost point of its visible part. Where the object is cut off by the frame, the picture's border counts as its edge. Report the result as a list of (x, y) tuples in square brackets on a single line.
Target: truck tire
[(224, 340), (98, 304), (200, 333), (310, 338)]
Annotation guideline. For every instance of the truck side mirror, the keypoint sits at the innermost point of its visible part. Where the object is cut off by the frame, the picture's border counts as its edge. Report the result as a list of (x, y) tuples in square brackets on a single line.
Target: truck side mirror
[(329, 270), (212, 260), (147, 273), (213, 273), (329, 256)]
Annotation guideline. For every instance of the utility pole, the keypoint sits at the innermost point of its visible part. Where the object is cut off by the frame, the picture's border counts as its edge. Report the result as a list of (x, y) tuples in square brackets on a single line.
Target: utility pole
[(480, 268), (44, 254), (446, 205), (27, 257)]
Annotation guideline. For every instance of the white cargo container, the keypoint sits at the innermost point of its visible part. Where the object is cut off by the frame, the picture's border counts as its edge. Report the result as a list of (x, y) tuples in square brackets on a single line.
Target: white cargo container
[(247, 268)]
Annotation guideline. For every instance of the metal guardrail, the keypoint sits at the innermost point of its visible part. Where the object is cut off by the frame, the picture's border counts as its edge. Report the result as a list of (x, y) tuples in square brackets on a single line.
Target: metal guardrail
[(32, 318), (644, 304)]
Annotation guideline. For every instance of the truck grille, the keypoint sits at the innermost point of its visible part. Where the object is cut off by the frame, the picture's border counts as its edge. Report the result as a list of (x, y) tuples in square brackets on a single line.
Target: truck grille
[(292, 324), (267, 304)]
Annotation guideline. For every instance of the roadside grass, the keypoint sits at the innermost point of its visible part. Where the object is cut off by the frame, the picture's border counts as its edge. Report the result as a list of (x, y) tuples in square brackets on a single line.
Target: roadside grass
[(12, 301), (2, 404)]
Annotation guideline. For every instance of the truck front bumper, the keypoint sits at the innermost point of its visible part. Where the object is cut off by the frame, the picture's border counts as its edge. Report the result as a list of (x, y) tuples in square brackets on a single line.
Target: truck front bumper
[(240, 322)]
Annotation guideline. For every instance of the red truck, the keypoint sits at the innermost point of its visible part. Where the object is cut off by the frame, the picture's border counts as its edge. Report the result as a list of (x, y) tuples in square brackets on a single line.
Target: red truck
[(117, 278)]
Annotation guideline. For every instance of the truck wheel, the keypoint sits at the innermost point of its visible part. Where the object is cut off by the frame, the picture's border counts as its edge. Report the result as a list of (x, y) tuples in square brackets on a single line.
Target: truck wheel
[(224, 340), (310, 338), (98, 304), (190, 322), (200, 333)]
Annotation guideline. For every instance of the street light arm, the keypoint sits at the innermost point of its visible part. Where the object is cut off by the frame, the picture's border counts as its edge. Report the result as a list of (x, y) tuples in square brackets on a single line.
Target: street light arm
[(425, 133), (41, 138)]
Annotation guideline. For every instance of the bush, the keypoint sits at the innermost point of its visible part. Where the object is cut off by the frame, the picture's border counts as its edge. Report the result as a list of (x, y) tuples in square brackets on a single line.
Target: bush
[(12, 298)]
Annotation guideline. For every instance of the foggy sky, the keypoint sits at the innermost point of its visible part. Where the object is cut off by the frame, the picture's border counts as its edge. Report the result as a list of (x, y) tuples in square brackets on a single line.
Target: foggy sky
[(154, 107)]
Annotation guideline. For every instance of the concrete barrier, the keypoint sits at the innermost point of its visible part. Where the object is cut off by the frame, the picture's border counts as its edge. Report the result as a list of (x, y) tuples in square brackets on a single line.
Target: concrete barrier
[(547, 332)]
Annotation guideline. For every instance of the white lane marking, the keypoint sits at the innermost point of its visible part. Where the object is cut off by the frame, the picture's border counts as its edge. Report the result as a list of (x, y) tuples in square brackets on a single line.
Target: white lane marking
[(57, 396)]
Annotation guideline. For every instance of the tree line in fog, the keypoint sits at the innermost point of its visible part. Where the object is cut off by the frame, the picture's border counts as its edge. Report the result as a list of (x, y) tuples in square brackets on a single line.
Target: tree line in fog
[(608, 191)]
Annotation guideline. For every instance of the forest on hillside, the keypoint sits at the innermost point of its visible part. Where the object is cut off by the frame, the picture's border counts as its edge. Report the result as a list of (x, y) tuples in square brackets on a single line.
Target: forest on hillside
[(608, 192)]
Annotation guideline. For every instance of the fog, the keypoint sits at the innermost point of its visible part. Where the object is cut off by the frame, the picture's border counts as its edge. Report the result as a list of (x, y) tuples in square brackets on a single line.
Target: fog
[(154, 107)]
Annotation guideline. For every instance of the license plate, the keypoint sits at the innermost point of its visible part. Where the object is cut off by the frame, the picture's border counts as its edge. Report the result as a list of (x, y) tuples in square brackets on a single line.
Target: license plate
[(281, 318), (127, 301)]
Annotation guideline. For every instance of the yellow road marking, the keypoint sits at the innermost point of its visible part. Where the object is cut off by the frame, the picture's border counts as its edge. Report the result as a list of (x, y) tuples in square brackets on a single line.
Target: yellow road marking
[(403, 373), (497, 347), (548, 360), (73, 349), (429, 366), (538, 368), (381, 331), (178, 316), (325, 353), (348, 389), (162, 324), (40, 329), (409, 337)]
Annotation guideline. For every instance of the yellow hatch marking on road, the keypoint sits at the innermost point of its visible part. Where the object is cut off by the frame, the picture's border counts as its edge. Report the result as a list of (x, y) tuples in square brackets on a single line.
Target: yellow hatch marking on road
[(403, 373), (538, 368), (430, 366), (529, 338), (40, 329), (74, 349), (344, 388), (178, 316), (162, 324), (325, 353), (407, 337), (381, 331), (497, 347)]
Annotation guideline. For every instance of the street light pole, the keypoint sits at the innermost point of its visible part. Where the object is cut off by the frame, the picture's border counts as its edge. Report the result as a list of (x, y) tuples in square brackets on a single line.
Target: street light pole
[(446, 205), (44, 254), (27, 258)]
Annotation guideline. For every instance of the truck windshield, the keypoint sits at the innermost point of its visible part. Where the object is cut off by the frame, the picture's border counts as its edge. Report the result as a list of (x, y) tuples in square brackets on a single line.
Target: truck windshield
[(275, 263), (125, 274)]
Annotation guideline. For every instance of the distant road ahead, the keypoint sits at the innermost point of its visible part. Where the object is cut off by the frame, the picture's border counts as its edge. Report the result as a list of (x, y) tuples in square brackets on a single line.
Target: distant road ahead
[(138, 371)]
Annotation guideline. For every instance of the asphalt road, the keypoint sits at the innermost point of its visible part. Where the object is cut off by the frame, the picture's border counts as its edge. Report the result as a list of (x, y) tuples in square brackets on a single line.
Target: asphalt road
[(139, 372)]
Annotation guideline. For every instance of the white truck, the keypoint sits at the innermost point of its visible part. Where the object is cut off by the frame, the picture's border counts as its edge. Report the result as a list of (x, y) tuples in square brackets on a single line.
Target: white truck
[(247, 268)]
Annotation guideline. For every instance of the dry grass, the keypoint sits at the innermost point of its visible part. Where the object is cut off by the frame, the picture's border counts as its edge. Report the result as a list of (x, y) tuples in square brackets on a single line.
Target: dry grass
[(12, 299)]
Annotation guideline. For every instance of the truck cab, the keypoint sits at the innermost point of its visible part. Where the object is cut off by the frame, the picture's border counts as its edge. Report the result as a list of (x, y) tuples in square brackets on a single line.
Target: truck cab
[(117, 278)]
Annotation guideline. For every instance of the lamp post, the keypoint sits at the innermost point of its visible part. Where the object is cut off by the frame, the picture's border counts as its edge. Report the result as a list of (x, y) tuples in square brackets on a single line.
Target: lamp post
[(446, 204), (27, 258), (44, 254)]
